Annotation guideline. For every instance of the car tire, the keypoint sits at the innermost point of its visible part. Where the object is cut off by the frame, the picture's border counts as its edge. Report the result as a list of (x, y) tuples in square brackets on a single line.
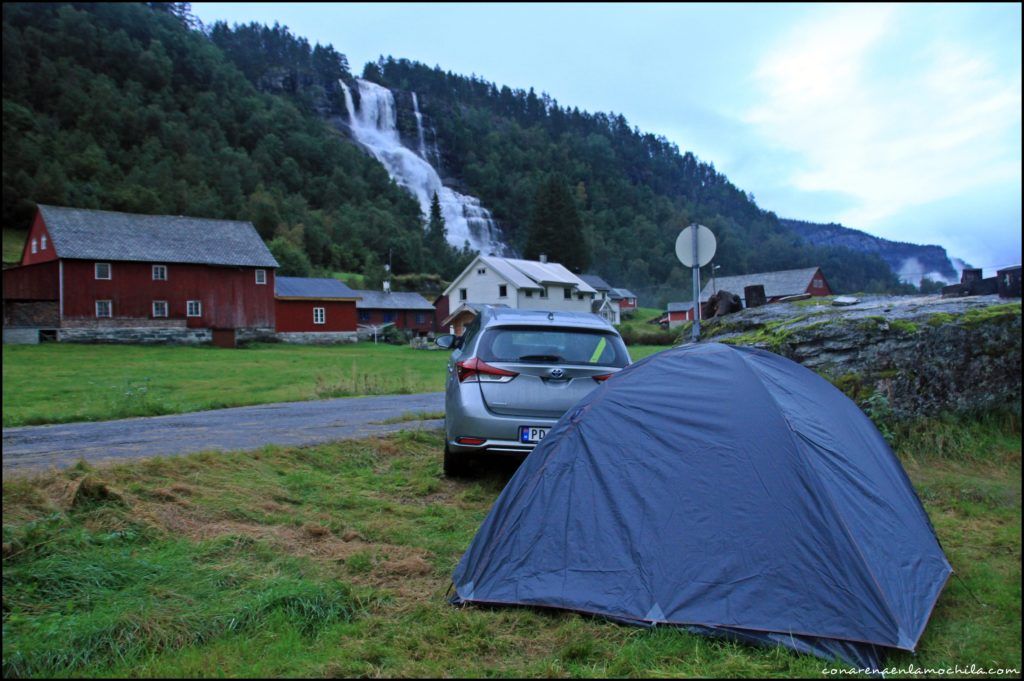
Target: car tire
[(455, 465)]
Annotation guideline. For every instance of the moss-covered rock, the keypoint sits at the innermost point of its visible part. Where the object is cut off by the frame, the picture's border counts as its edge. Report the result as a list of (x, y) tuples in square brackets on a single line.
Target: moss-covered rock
[(921, 355)]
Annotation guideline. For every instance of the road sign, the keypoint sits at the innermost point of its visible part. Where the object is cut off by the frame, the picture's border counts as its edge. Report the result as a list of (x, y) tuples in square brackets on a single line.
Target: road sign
[(705, 246)]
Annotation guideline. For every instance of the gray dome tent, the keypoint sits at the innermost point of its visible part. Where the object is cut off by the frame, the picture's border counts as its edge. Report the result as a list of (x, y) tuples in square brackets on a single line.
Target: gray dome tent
[(725, 490)]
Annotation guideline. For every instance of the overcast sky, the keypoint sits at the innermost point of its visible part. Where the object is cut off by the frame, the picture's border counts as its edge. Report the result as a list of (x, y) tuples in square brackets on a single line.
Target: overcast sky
[(901, 120)]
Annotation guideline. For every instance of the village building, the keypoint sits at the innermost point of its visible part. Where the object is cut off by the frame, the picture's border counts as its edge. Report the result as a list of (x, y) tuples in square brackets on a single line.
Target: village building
[(676, 314), (312, 310), (103, 276), (625, 299), (777, 285), (515, 283), (602, 304), (377, 310)]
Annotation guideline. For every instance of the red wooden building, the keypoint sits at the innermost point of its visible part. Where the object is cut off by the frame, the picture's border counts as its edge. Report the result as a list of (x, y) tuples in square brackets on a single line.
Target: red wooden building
[(409, 311), (90, 275), (314, 310), (777, 285), (625, 298)]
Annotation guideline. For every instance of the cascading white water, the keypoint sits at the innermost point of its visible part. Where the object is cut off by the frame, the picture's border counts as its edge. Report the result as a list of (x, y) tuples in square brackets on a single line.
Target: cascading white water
[(419, 126), (373, 126)]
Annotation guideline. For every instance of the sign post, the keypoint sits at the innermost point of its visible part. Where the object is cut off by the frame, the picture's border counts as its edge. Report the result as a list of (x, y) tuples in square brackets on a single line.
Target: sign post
[(695, 247)]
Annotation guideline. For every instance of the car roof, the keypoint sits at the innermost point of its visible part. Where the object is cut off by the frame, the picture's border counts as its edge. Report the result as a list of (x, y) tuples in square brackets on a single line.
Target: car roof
[(504, 316)]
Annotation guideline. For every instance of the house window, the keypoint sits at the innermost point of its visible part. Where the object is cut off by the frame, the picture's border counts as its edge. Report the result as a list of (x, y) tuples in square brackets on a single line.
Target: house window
[(818, 283), (567, 293), (502, 291), (364, 315), (42, 243), (35, 246), (529, 294), (389, 317), (103, 270), (544, 292), (421, 318), (481, 270), (159, 272), (462, 294), (193, 308), (104, 308), (159, 308), (319, 315), (261, 276)]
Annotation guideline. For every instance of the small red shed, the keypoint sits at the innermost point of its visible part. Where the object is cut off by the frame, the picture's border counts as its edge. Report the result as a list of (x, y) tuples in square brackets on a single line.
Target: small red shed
[(405, 310), (312, 309)]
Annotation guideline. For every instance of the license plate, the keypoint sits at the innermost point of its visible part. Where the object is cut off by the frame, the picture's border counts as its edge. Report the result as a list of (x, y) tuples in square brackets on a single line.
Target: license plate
[(532, 434)]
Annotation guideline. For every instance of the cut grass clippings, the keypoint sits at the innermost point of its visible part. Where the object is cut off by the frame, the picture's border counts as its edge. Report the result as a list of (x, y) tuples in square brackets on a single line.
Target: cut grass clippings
[(334, 560)]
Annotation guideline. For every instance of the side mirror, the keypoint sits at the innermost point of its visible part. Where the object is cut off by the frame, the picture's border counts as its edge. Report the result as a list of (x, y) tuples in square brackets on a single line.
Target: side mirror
[(447, 341)]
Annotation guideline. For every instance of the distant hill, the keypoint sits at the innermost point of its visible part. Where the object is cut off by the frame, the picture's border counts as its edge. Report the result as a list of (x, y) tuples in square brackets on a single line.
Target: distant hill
[(910, 262)]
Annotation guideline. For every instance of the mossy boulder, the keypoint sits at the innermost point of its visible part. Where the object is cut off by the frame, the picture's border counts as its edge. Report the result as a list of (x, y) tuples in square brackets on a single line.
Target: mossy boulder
[(923, 354)]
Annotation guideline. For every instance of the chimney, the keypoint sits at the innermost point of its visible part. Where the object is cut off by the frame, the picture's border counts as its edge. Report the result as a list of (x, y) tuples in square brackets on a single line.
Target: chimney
[(543, 257)]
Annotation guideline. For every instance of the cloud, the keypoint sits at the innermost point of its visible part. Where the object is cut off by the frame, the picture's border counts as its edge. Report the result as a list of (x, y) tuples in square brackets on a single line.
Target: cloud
[(892, 116)]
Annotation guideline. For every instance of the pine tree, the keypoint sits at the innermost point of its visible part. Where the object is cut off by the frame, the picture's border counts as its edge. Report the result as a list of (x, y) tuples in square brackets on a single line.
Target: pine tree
[(437, 235), (556, 229)]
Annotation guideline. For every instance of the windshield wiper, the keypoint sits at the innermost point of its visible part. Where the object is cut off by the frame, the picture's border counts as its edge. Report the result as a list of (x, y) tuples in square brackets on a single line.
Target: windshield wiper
[(541, 358)]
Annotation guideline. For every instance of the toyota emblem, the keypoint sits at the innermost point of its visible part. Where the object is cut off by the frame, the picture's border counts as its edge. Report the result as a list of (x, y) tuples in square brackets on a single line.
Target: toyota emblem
[(557, 373)]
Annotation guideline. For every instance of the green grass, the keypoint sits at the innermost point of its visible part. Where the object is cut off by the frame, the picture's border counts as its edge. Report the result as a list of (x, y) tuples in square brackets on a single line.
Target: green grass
[(57, 383), (334, 561)]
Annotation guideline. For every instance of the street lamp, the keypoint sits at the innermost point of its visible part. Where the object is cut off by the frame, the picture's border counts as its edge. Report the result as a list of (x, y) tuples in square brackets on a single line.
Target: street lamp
[(714, 289)]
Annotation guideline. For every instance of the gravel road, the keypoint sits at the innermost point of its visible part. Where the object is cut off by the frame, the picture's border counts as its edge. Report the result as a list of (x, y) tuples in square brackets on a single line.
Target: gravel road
[(240, 428)]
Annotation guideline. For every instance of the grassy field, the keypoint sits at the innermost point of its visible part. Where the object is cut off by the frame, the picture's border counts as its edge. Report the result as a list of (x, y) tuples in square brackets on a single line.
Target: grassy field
[(335, 560), (59, 383), (13, 243)]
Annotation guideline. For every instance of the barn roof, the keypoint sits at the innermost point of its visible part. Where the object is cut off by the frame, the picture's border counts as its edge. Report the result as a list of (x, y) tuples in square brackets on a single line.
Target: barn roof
[(618, 293), (378, 300), (680, 307), (784, 283), (106, 235), (306, 287)]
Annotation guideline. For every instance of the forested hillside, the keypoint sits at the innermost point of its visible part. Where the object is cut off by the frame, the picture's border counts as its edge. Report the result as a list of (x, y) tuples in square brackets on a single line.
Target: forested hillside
[(133, 107), (127, 107)]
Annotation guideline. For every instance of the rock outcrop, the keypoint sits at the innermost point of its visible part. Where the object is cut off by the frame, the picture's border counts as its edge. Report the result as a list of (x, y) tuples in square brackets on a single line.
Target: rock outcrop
[(913, 355)]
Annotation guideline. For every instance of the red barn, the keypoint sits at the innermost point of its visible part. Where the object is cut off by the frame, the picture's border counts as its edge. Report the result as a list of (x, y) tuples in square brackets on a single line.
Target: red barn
[(409, 311), (625, 298), (678, 313), (101, 276), (776, 284), (314, 310)]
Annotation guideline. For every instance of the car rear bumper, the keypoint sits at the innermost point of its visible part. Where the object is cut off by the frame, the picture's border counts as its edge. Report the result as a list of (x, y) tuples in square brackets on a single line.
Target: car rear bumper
[(466, 415)]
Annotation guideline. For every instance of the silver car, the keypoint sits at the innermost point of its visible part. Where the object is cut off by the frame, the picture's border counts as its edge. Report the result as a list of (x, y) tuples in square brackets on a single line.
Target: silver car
[(513, 373)]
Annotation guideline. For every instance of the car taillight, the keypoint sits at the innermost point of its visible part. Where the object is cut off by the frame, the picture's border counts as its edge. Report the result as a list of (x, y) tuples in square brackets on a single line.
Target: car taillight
[(602, 378), (470, 440), (473, 370)]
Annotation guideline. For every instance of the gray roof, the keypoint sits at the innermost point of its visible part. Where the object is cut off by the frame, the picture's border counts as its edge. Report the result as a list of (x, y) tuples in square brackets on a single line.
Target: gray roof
[(785, 283), (306, 287), (105, 235), (596, 282), (680, 307), (525, 274), (622, 293), (378, 300)]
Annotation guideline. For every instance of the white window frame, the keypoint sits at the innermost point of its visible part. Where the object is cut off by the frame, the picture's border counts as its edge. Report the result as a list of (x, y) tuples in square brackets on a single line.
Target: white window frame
[(42, 243), (164, 269), (543, 292), (463, 294), (261, 277), (166, 309), (110, 309), (188, 308), (529, 293), (567, 293), (96, 271), (319, 315), (503, 290), (35, 246)]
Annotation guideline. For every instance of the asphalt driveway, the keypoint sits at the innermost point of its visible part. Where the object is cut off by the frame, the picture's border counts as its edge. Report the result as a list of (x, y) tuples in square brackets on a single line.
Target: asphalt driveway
[(240, 428)]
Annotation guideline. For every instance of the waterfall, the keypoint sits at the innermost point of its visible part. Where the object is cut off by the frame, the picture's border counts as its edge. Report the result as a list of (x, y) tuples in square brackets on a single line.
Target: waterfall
[(373, 126), (419, 126)]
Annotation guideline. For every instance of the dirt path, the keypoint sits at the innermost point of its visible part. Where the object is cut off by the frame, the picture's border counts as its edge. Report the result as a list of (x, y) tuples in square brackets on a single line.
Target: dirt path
[(240, 428)]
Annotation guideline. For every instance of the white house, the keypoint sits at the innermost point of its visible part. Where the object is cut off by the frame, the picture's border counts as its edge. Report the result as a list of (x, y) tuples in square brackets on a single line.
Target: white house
[(520, 284), (603, 304)]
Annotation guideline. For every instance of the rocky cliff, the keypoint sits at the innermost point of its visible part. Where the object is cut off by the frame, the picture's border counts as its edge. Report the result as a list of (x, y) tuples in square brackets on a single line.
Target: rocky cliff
[(910, 262), (912, 356)]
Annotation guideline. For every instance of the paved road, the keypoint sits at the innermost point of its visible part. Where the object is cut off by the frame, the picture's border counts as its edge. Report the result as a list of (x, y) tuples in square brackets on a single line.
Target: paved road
[(241, 428)]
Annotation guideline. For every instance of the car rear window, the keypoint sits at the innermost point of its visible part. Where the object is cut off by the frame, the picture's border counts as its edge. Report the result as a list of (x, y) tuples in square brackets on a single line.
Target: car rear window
[(552, 346)]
